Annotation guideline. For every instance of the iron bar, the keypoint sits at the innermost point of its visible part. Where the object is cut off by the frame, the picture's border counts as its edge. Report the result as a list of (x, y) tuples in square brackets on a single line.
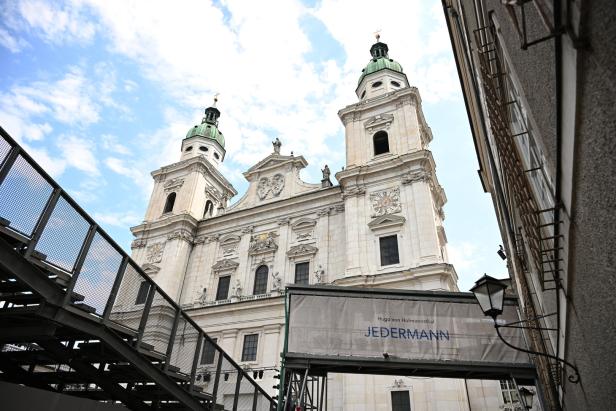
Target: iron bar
[(195, 363), (8, 162), (115, 287), (83, 252), (42, 221)]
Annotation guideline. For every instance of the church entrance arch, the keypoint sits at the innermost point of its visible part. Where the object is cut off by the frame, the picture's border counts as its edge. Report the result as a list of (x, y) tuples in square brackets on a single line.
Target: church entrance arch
[(331, 329)]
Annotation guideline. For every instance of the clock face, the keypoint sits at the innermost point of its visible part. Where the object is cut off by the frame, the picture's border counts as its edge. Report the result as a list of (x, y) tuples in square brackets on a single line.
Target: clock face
[(385, 202)]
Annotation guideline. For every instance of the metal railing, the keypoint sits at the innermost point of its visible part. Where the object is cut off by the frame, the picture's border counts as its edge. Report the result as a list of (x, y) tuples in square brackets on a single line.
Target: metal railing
[(57, 235)]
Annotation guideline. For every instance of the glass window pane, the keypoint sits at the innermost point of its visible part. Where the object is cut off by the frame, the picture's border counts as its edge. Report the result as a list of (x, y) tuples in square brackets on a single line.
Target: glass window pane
[(208, 352), (389, 250), (400, 401), (302, 271), (249, 351), (222, 293), (261, 280)]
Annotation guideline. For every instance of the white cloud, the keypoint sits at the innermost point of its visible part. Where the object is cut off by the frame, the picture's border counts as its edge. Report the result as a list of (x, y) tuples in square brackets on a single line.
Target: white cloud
[(13, 44), (79, 153), (122, 220), (56, 23), (464, 255), (111, 143)]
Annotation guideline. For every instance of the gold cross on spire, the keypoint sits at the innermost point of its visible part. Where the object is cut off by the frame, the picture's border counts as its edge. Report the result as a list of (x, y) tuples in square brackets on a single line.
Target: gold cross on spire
[(216, 98), (377, 34)]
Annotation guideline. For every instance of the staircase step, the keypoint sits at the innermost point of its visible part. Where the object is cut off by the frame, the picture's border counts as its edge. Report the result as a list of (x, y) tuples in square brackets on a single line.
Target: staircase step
[(85, 307), (21, 299)]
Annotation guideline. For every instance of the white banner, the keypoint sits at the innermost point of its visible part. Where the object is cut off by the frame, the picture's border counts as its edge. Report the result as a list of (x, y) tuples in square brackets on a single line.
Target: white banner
[(404, 329)]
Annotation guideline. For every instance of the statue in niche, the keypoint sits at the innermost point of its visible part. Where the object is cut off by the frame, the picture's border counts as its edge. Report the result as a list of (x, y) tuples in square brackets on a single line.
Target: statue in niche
[(237, 289), (277, 283), (203, 296), (319, 274), (276, 143)]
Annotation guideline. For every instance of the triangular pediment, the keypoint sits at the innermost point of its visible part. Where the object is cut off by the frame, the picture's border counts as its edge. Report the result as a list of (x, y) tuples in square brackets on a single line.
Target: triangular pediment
[(386, 221), (274, 161)]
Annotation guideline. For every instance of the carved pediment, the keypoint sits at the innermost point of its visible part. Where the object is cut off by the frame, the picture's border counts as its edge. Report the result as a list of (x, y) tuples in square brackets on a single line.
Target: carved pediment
[(386, 221), (303, 224), (276, 160), (225, 264), (302, 250), (262, 243), (378, 122), (150, 269)]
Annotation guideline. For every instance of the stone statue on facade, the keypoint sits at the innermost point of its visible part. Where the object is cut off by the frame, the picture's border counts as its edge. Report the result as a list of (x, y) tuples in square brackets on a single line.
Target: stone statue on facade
[(237, 289), (277, 283), (325, 181), (319, 274), (276, 143), (203, 297)]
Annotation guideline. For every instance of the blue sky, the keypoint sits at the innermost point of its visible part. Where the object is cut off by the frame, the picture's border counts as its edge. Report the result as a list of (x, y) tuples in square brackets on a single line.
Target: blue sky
[(101, 93)]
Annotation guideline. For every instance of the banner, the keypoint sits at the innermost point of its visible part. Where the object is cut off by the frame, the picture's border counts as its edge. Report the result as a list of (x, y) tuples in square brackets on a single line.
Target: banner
[(399, 329)]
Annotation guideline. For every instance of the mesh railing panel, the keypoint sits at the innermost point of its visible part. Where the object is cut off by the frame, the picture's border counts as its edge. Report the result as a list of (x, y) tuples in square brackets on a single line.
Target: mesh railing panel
[(125, 310), (99, 271), (246, 395), (5, 147), (263, 403), (184, 345), (63, 235), (159, 323), (206, 369), (226, 385), (24, 193)]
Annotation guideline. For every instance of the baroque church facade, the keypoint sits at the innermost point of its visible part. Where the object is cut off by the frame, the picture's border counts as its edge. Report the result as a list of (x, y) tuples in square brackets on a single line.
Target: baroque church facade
[(380, 226)]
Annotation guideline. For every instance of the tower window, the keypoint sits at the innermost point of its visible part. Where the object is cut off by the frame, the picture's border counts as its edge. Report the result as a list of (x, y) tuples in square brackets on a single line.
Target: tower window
[(381, 143), (189, 148), (203, 148), (377, 84), (216, 156), (261, 280), (363, 94), (302, 273), (389, 250), (222, 292), (395, 84), (169, 203), (142, 294), (400, 401), (209, 207), (249, 350)]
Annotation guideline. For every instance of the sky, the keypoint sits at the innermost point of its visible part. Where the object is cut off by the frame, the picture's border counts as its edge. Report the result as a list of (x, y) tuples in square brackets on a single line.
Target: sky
[(101, 93)]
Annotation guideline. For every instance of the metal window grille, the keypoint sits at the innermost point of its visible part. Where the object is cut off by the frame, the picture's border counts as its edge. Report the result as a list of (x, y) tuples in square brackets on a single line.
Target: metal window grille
[(142, 295), (223, 288), (400, 401), (249, 351), (208, 353), (301, 273), (389, 250), (261, 280)]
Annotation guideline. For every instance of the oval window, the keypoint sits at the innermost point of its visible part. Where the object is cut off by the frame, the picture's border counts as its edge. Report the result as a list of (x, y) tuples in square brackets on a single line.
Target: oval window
[(363, 94), (216, 156), (189, 148), (203, 148), (395, 84), (377, 84)]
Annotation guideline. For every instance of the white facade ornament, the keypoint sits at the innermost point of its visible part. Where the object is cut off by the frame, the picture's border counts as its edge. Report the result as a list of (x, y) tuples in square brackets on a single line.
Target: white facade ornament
[(262, 243), (385, 202), (224, 265), (248, 229), (319, 275), (200, 239), (411, 177), (379, 122), (270, 187), (138, 244), (154, 252), (276, 143), (237, 288), (277, 281), (173, 185), (302, 250), (180, 234)]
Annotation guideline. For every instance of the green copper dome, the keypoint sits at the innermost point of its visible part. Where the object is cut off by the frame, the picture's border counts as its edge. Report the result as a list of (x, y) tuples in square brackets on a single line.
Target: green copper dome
[(208, 127), (208, 131), (380, 61)]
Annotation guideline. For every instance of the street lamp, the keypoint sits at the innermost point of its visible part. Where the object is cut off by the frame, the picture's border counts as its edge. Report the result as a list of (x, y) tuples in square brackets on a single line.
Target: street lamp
[(490, 294), (527, 397)]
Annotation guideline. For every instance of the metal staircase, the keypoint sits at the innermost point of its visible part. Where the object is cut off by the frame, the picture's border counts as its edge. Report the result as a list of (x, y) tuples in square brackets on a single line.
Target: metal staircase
[(78, 316)]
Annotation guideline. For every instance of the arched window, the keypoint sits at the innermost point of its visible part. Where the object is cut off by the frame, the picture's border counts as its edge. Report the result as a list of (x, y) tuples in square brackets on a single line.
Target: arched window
[(209, 207), (261, 280), (169, 203), (381, 143)]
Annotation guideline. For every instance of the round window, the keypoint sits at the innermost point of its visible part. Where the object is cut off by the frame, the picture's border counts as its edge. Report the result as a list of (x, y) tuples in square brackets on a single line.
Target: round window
[(216, 156), (203, 148), (189, 148), (395, 84), (377, 84)]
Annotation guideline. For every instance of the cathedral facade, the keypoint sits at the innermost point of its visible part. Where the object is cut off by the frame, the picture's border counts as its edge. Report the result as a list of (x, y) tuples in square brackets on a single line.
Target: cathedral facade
[(380, 226)]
